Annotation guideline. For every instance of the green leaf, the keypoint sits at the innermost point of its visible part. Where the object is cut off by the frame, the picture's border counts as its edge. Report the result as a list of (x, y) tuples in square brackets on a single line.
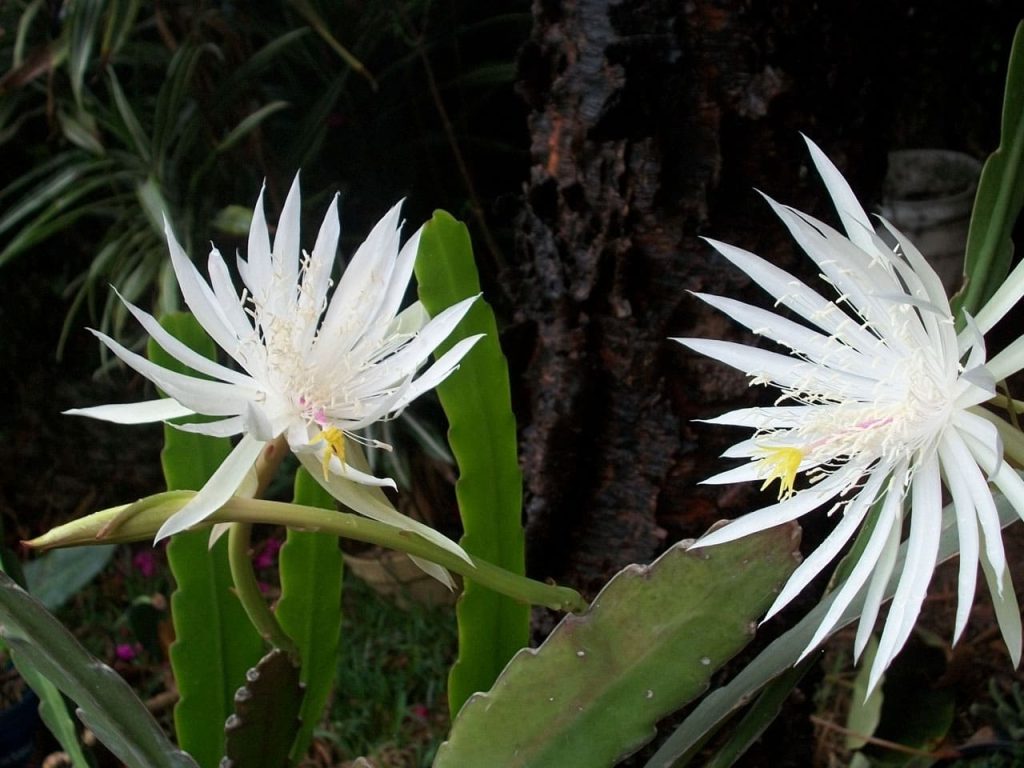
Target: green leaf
[(249, 123), (171, 98), (761, 714), (482, 434), (131, 123), (717, 707), (593, 692), (865, 705), (54, 577), (52, 707), (54, 712), (83, 23), (313, 18), (215, 643), (1000, 196), (310, 607), (267, 714), (106, 703)]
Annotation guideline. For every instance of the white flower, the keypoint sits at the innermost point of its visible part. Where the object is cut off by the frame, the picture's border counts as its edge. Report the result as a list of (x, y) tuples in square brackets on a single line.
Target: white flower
[(879, 408), (311, 369)]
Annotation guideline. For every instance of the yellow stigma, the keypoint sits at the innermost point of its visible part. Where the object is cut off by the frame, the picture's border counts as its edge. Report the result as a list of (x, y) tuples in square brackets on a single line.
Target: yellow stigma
[(781, 463), (335, 440)]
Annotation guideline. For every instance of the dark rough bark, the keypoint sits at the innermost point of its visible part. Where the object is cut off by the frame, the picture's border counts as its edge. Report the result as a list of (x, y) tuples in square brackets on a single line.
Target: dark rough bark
[(650, 122)]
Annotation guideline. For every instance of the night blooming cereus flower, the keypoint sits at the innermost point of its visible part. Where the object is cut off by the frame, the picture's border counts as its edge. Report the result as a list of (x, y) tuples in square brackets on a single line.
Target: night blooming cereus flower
[(880, 404), (311, 369)]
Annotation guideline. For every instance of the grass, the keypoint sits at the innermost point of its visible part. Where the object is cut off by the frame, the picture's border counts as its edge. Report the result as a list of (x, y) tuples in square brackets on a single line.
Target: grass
[(389, 702)]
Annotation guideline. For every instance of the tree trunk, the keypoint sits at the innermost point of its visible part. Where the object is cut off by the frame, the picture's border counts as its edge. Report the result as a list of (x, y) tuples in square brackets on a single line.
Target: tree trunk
[(651, 122)]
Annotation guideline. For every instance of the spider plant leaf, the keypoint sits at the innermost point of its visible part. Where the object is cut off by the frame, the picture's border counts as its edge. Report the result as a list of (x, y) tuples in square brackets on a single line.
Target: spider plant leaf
[(120, 21), (53, 188), (105, 701), (316, 21), (83, 26), (249, 123), (253, 67), (25, 19), (482, 433), (80, 130), (138, 137), (172, 95)]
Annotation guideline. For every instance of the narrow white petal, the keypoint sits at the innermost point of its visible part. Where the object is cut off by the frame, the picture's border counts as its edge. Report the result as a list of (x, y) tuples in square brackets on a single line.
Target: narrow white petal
[(983, 439), (1005, 298), (741, 474), (922, 550), (797, 296), (1009, 361), (135, 413), (363, 284), (259, 272), (183, 352), (853, 516), (1004, 601), (212, 398), (440, 370), (372, 503), (221, 428), (967, 529), (199, 296), (347, 471), (230, 302), (218, 489), (782, 416), (920, 268), (412, 355), (961, 466), (409, 321), (285, 256), (768, 517), (824, 350), (434, 571), (875, 592), (782, 370), (317, 276), (400, 277), (888, 518), (1010, 483), (855, 221)]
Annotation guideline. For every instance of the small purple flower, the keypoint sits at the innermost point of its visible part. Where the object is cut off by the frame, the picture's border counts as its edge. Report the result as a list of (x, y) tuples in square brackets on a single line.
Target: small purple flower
[(144, 562), (267, 556), (125, 651)]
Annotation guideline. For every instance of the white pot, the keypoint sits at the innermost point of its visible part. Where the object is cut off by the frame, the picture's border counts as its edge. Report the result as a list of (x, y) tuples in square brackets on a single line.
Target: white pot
[(928, 195)]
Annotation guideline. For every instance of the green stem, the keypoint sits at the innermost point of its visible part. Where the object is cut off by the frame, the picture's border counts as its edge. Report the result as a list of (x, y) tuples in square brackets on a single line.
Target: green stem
[(148, 514), (248, 590)]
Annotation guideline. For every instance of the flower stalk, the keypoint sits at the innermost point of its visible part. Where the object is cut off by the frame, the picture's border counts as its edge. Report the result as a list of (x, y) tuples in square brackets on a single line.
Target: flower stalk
[(140, 523), (248, 590)]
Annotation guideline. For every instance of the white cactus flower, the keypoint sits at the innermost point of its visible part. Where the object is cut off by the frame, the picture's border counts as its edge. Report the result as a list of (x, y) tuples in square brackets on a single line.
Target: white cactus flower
[(879, 409), (312, 369)]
